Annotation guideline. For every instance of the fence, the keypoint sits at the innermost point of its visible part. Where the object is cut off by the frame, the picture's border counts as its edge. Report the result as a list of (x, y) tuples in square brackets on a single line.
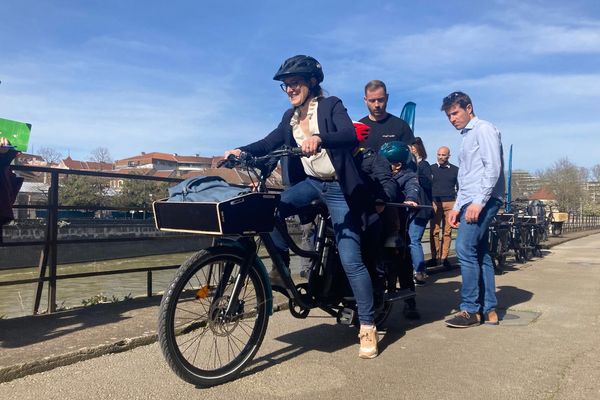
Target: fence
[(48, 258), (580, 222)]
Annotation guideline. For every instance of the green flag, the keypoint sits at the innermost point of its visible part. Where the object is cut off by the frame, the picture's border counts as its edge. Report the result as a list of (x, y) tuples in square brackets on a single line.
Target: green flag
[(16, 132)]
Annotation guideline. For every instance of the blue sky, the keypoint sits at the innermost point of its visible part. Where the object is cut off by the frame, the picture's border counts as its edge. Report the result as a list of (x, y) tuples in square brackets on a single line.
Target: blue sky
[(194, 77)]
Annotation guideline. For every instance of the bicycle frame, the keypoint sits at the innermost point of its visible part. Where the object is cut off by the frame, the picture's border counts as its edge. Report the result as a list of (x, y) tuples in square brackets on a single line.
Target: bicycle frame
[(219, 301), (324, 242)]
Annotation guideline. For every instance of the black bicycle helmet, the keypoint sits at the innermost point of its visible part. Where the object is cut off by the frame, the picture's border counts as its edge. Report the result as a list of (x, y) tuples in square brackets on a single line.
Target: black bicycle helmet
[(395, 151), (300, 65)]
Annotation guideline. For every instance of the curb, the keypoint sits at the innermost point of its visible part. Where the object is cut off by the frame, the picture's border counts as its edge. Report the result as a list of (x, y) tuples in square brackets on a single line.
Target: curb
[(17, 371), (33, 367)]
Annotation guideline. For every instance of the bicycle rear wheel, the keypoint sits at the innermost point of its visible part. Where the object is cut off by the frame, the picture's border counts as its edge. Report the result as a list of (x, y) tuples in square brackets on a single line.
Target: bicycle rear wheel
[(499, 257), (526, 248), (206, 336)]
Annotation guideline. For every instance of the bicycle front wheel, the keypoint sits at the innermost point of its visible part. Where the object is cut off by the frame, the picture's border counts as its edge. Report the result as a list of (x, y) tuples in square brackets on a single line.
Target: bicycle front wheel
[(206, 335)]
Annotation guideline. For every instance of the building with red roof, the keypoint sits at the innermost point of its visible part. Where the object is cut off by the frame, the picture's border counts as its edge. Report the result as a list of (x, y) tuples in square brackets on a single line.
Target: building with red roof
[(69, 163), (544, 194), (161, 161)]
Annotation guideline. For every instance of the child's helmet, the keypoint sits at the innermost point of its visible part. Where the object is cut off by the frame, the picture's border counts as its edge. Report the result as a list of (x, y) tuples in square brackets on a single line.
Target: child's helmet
[(395, 151)]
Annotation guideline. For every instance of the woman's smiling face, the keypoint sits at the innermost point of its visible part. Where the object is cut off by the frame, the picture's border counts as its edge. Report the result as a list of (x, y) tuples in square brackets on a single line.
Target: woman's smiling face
[(297, 89)]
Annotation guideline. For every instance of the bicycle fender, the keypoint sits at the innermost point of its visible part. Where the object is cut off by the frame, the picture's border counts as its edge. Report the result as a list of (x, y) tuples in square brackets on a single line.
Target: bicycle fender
[(230, 243)]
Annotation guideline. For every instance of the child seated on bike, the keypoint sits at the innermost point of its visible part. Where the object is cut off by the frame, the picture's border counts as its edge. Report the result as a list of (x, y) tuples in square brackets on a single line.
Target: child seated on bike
[(377, 173), (396, 253)]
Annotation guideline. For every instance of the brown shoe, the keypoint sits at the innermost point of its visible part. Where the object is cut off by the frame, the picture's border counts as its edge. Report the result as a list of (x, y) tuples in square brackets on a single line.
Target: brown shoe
[(463, 319), (368, 342), (491, 318)]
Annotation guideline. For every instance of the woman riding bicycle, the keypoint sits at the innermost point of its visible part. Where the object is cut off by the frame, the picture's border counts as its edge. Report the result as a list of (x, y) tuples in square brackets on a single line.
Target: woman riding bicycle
[(322, 128)]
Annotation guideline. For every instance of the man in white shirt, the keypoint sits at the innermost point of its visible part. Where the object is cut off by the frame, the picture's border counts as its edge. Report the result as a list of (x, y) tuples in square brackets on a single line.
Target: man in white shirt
[(481, 190)]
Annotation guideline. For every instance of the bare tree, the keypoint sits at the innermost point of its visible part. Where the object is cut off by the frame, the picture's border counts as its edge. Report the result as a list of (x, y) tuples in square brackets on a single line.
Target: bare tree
[(50, 155), (593, 205), (101, 154), (567, 181)]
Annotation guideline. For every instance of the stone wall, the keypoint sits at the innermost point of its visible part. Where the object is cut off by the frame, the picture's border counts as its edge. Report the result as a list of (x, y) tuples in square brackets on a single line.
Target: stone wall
[(73, 229), (33, 230)]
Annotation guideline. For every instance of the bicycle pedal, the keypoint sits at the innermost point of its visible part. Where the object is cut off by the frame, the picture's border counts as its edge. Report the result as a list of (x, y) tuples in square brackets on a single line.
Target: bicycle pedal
[(345, 316)]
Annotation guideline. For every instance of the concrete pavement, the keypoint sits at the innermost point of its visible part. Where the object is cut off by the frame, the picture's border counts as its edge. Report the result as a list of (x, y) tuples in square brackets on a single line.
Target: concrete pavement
[(546, 347)]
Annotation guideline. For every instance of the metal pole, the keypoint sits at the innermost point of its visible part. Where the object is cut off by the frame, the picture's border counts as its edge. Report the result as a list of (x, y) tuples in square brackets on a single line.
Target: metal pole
[(42, 271), (53, 221), (149, 283), (507, 208)]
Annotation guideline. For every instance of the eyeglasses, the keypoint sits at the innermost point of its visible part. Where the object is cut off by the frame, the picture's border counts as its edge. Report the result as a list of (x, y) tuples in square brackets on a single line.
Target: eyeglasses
[(452, 96), (292, 85), (443, 155)]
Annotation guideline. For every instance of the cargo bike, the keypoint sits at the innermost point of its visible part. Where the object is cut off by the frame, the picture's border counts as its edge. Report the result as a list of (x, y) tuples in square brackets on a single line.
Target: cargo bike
[(215, 312)]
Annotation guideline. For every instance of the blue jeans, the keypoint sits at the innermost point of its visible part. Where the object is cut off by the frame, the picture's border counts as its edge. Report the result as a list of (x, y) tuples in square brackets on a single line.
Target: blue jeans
[(478, 289), (347, 236), (415, 232)]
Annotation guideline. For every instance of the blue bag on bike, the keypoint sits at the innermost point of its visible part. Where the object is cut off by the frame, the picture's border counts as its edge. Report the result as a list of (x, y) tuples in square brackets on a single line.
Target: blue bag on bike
[(204, 189)]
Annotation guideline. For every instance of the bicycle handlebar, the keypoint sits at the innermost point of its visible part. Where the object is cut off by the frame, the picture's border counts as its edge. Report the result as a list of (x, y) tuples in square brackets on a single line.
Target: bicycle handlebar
[(404, 205), (247, 159)]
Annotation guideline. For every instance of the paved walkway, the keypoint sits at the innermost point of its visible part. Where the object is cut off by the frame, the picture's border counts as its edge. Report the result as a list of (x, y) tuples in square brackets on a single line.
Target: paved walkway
[(34, 344)]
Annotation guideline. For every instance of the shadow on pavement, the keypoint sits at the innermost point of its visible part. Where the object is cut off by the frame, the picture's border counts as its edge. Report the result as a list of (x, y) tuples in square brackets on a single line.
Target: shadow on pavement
[(326, 338), (24, 331), (436, 302)]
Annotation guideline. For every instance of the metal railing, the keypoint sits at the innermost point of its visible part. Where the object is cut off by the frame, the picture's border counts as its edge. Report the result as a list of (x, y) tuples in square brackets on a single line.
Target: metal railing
[(48, 258), (580, 222)]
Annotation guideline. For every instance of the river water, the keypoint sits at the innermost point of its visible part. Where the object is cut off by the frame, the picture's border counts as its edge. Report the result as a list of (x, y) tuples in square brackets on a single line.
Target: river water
[(18, 300)]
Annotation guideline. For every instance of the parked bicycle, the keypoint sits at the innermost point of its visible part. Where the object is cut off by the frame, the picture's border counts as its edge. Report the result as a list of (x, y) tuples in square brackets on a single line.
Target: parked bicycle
[(214, 314), (500, 240)]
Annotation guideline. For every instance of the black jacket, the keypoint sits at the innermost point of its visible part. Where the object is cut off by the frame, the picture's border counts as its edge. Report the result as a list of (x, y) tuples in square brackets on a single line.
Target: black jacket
[(408, 186), (394, 219), (10, 185), (425, 177), (377, 173), (339, 139)]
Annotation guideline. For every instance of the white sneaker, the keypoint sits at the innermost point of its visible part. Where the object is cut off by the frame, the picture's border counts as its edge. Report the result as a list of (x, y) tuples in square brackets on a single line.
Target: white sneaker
[(368, 342)]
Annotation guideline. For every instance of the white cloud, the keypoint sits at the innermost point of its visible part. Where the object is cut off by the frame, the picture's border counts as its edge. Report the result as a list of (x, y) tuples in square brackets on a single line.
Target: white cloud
[(517, 38), (73, 115), (546, 117), (563, 40)]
